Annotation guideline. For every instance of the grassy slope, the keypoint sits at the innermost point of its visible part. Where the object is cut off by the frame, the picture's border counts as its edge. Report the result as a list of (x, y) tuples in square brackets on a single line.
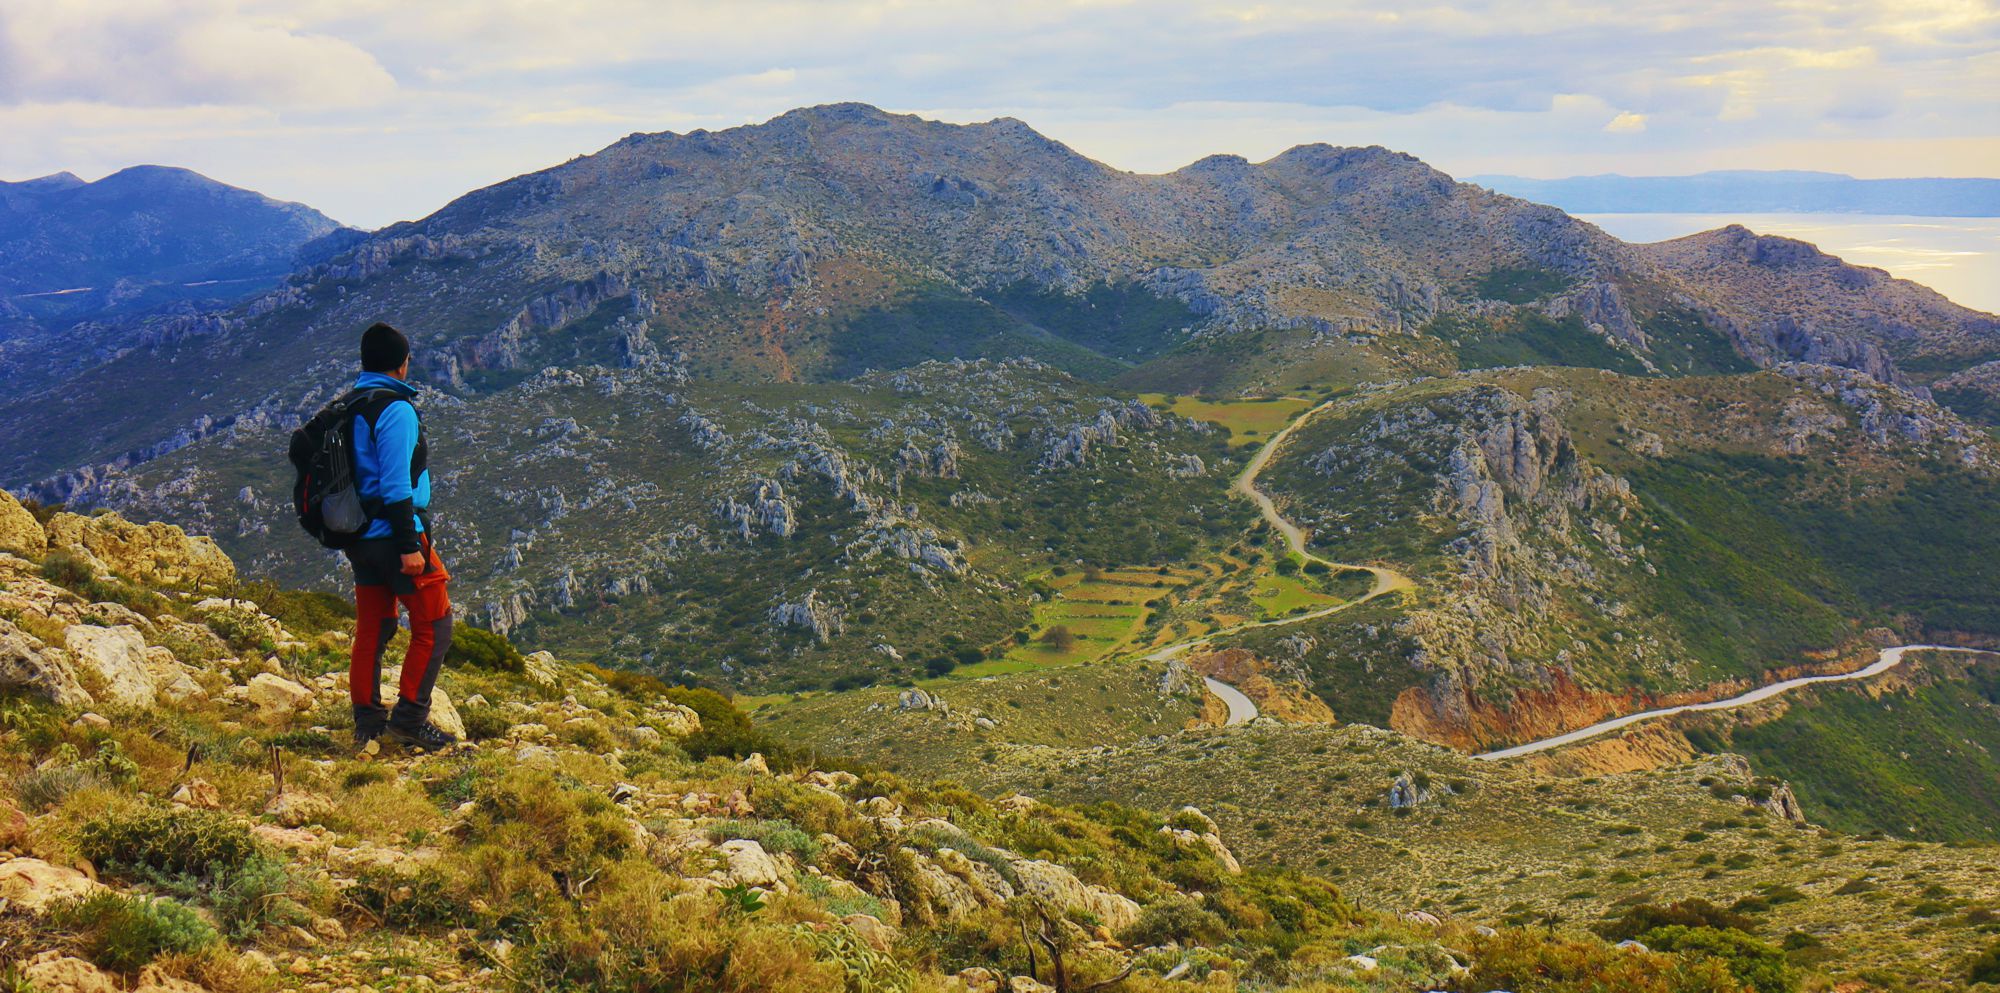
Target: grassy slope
[(1922, 761), (1495, 840)]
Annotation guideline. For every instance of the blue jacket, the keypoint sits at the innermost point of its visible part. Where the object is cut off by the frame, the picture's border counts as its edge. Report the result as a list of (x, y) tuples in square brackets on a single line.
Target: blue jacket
[(383, 453)]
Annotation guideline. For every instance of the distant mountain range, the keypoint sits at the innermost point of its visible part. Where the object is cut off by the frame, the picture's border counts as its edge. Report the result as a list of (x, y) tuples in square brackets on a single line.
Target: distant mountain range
[(82, 263), (1754, 191), (144, 227)]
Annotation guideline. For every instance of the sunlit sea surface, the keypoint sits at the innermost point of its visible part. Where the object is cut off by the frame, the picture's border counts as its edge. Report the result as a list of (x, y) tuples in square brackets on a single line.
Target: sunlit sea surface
[(1956, 256)]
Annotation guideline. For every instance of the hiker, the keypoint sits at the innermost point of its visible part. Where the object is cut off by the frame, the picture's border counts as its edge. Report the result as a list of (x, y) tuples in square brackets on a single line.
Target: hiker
[(393, 558)]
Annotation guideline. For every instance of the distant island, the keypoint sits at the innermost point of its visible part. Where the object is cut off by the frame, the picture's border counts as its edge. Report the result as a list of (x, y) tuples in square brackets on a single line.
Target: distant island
[(1756, 191)]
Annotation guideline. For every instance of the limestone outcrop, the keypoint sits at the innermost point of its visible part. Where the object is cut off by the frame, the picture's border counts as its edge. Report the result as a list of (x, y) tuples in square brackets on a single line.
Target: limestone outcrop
[(147, 553)]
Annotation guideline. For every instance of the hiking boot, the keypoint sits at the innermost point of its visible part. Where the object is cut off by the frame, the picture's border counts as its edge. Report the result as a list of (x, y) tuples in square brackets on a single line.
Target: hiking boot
[(427, 736), (370, 723)]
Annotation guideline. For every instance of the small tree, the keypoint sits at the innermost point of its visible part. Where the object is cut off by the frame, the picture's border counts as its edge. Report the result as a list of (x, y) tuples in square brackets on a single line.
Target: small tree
[(1060, 638)]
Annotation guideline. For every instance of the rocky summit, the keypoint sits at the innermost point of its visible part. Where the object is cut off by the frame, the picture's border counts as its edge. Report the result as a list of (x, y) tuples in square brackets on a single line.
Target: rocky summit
[(900, 556)]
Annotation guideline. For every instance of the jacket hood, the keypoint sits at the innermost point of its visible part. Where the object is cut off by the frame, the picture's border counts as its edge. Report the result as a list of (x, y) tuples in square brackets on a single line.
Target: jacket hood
[(383, 381)]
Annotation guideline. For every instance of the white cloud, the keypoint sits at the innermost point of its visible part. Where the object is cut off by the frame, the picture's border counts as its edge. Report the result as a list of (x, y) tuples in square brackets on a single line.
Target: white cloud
[(1626, 123), (154, 54), (451, 94)]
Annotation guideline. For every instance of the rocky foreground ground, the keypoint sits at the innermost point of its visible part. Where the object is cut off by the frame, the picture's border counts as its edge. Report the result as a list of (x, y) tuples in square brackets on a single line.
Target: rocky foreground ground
[(183, 813)]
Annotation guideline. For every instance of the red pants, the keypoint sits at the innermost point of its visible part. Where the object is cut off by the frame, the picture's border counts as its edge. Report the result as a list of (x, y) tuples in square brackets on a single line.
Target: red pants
[(375, 625)]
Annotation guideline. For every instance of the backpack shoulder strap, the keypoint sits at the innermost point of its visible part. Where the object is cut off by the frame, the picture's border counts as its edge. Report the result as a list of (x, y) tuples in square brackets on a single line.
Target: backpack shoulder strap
[(371, 402)]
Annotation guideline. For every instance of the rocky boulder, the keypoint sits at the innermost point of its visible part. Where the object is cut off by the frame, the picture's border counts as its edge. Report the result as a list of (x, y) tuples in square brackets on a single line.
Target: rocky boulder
[(276, 697), (751, 865), (28, 664), (916, 698), (1406, 792), (1058, 890), (117, 657), (943, 895), (298, 808), (54, 972), (540, 669), (35, 884), (20, 533), (1193, 831), (1784, 803), (146, 553)]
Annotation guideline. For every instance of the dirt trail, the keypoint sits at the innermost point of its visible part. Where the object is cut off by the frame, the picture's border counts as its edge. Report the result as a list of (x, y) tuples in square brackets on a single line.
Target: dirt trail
[(1386, 580)]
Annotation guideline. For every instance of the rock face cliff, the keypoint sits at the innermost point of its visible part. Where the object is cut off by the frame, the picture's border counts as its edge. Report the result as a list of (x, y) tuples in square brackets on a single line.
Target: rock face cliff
[(1568, 574), (1530, 526)]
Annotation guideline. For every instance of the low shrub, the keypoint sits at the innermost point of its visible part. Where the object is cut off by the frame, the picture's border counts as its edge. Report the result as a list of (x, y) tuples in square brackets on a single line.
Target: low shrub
[(776, 837), (67, 772), (482, 649), (1758, 964), (724, 729), (306, 741), (1546, 962), (260, 893), (365, 775), (638, 934), (67, 569), (303, 612), (36, 721), (425, 898), (484, 723), (567, 833), (41, 789), (1174, 919), (125, 933), (240, 628), (1687, 913), (200, 843)]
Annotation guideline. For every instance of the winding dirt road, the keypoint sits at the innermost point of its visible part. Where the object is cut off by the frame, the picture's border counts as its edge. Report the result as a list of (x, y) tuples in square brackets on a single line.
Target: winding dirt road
[(1889, 659), (1241, 708)]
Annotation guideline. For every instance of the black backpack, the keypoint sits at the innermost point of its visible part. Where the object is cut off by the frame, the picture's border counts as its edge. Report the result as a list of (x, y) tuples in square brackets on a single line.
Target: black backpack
[(325, 493)]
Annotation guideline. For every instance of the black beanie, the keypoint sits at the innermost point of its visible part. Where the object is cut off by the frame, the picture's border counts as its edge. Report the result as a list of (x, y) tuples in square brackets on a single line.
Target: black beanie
[(383, 349)]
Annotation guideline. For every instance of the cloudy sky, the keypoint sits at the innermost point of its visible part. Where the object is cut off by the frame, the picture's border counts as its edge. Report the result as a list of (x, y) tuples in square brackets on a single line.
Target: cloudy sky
[(382, 110)]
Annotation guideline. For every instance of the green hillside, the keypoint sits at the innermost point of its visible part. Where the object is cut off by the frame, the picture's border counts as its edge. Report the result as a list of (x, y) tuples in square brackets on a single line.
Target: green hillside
[(1921, 761)]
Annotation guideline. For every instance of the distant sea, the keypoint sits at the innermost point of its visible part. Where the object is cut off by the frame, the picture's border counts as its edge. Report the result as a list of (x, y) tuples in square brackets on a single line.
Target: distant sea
[(1956, 256)]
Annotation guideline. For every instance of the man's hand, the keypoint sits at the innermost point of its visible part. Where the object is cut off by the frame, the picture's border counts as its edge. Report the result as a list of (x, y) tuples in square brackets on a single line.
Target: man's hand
[(413, 563)]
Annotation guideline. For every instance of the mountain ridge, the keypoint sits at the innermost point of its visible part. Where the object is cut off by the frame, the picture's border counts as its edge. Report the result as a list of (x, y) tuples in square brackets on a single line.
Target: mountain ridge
[(836, 213)]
